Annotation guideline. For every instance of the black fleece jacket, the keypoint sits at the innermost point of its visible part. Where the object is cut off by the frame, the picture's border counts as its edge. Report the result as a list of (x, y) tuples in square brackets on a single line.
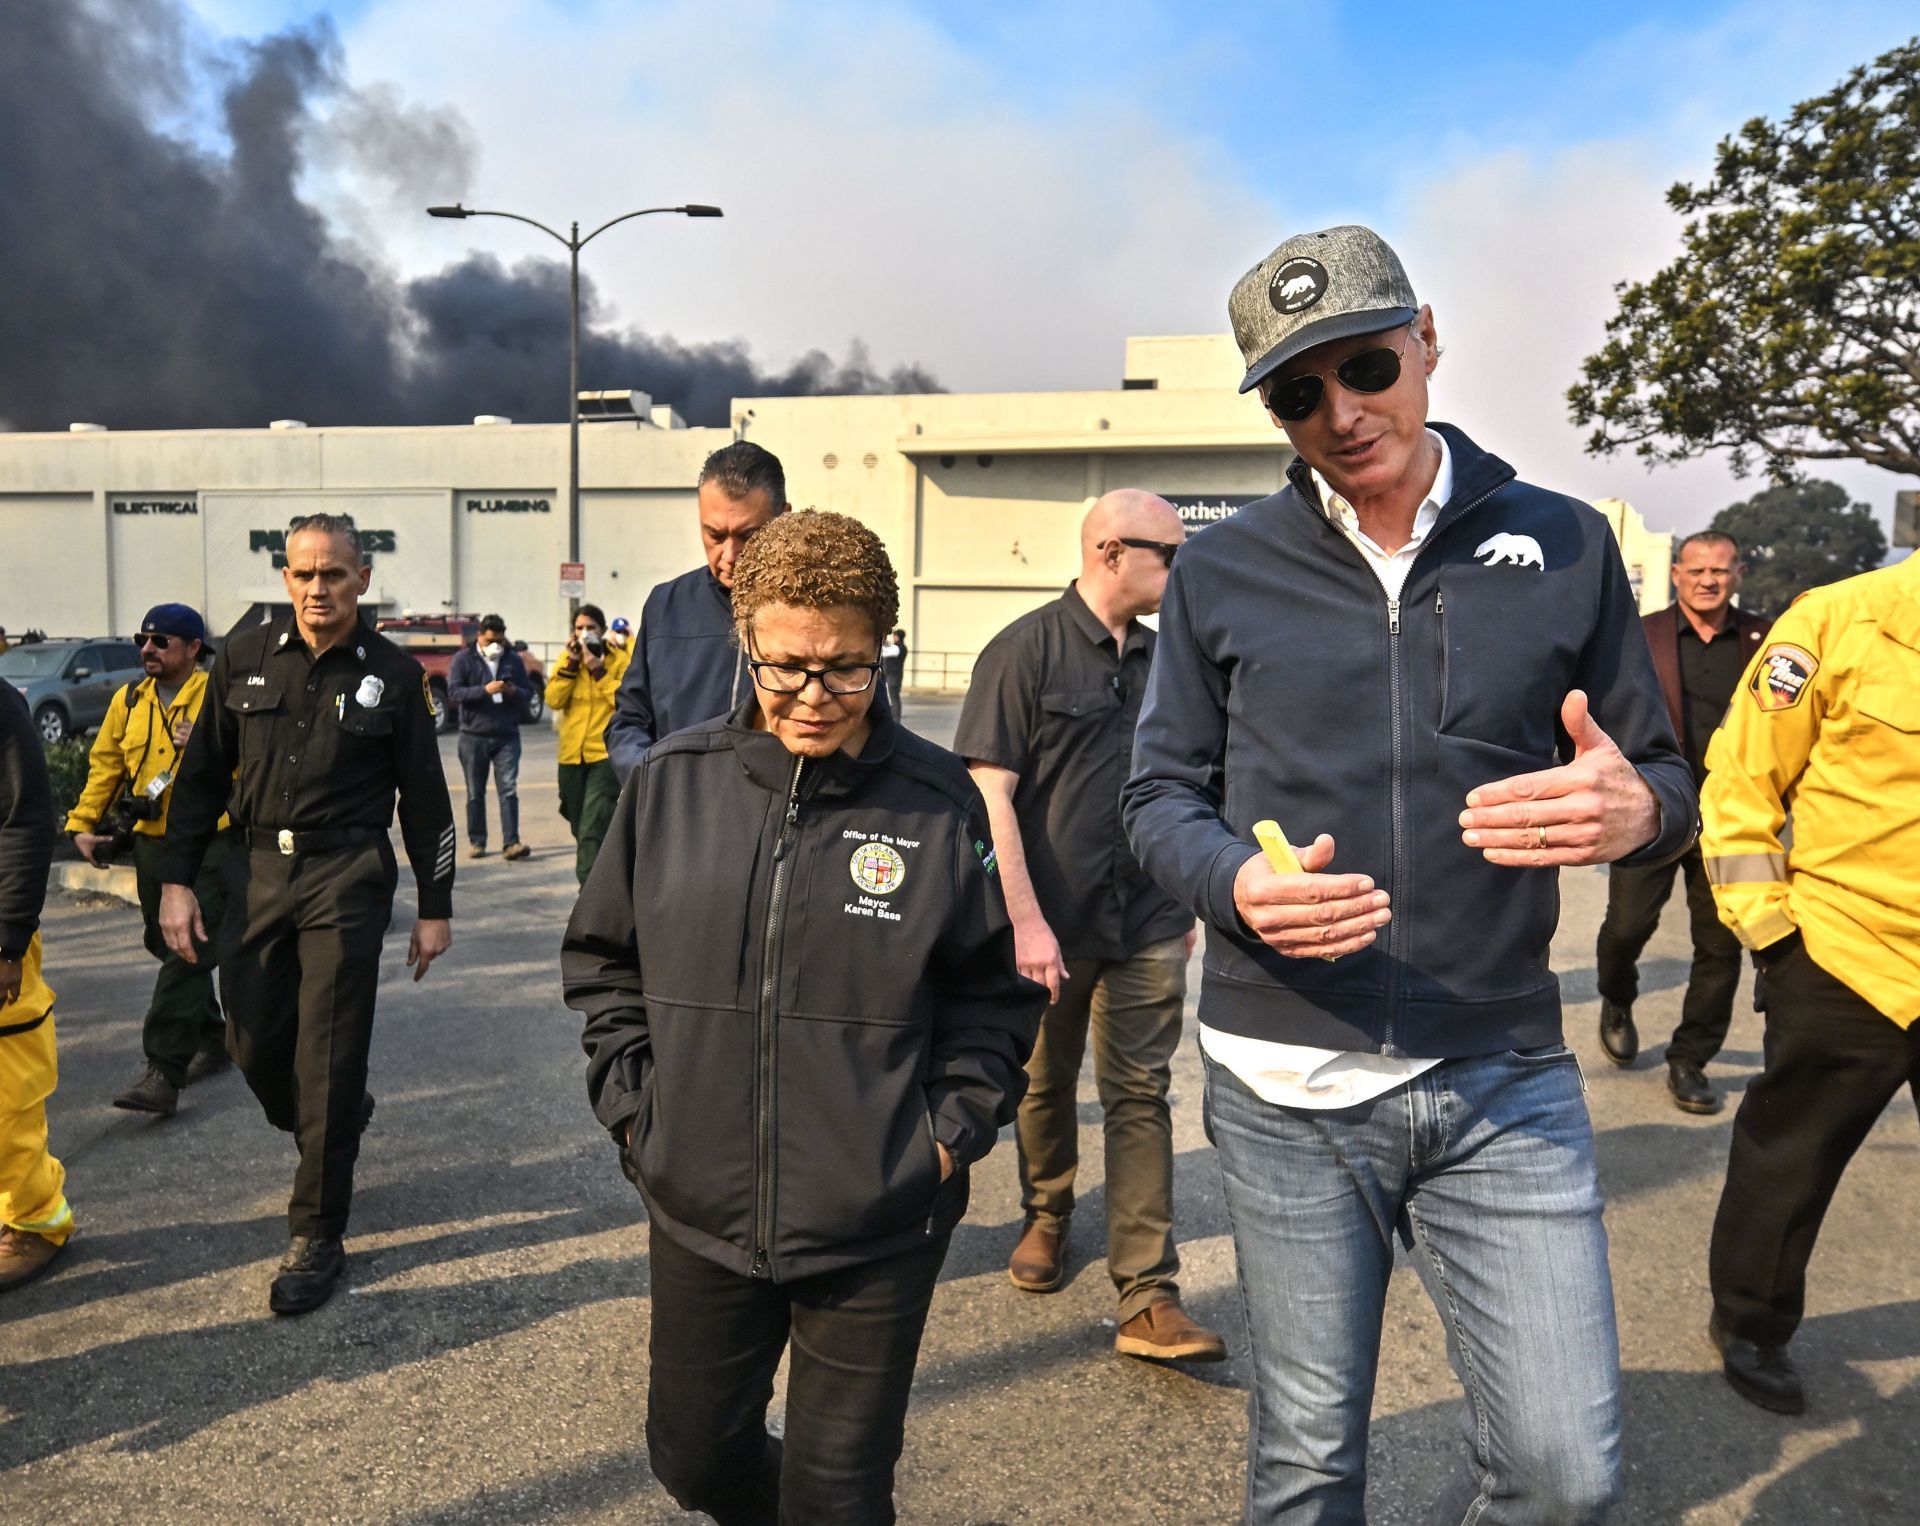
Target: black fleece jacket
[(26, 824), (1335, 710), (797, 975)]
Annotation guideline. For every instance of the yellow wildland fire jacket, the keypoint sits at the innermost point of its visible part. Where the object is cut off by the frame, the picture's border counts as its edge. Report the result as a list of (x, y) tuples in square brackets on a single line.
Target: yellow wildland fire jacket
[(135, 743), (1826, 725), (585, 705)]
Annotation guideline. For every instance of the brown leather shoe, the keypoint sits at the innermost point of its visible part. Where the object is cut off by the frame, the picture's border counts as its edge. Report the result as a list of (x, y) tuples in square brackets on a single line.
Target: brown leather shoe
[(1165, 1332), (1039, 1262), (24, 1256)]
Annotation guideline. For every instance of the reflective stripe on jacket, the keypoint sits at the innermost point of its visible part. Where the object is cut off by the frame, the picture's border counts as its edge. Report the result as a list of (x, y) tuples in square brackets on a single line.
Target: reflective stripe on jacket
[(1826, 722), (135, 742), (585, 705)]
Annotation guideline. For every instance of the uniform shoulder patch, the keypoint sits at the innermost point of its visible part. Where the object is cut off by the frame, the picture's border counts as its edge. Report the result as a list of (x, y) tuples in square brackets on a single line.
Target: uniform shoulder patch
[(426, 690), (1781, 677)]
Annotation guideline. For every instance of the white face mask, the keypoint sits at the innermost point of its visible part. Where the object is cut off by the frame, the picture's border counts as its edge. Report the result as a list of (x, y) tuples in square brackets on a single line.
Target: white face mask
[(492, 650)]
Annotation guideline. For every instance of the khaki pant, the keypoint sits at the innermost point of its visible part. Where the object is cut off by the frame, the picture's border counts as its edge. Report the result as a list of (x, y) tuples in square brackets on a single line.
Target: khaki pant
[(1132, 1007)]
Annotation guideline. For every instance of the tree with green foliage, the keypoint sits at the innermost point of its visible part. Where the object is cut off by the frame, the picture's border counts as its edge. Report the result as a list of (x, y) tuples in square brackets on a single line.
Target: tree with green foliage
[(1789, 328), (1798, 536)]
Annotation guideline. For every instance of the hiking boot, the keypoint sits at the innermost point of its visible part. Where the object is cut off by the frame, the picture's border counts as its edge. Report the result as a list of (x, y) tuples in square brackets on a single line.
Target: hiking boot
[(152, 1093), (207, 1062), (24, 1255), (477, 850), (1692, 1092), (1165, 1332), (1762, 1375), (307, 1275), (1039, 1262), (516, 851), (1618, 1036)]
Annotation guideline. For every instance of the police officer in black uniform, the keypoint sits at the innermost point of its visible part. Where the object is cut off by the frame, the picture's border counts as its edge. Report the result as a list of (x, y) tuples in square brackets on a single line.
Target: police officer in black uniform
[(311, 723)]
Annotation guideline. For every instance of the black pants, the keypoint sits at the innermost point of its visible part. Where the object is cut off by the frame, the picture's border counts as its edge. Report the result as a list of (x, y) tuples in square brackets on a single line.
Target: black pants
[(182, 1018), (717, 1338), (1635, 897), (1833, 1063), (299, 968)]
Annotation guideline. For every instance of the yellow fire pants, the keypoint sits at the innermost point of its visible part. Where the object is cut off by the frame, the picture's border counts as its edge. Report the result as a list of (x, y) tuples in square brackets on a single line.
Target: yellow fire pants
[(31, 1180)]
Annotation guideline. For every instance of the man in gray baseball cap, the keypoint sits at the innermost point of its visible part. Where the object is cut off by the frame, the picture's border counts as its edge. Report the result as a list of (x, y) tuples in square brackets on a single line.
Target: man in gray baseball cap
[(1433, 676)]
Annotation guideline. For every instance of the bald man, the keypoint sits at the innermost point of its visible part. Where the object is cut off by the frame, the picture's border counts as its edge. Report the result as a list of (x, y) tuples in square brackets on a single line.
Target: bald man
[(1047, 730)]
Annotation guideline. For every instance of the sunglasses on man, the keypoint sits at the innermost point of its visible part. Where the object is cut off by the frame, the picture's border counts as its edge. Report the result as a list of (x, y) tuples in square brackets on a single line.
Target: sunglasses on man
[(153, 639), (1164, 548), (1371, 371)]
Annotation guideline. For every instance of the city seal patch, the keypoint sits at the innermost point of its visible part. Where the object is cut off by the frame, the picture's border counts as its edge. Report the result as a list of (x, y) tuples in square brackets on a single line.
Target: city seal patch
[(877, 868), (1780, 680)]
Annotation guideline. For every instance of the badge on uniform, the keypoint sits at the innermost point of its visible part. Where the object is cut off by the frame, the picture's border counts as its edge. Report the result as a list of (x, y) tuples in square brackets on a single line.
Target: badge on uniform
[(369, 692), (1780, 681)]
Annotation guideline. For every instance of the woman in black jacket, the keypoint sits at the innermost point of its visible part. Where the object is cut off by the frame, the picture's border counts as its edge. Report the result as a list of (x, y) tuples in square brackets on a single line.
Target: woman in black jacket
[(803, 1024)]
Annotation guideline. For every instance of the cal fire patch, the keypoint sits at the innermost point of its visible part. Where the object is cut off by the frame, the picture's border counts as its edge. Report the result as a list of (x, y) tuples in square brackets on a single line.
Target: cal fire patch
[(877, 868), (1780, 681)]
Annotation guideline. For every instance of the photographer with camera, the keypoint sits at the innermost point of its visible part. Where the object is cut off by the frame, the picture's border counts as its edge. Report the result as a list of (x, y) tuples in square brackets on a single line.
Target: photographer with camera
[(582, 692), (124, 809)]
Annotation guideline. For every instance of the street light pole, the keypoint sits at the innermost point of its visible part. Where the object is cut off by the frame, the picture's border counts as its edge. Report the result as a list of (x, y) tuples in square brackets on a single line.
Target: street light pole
[(574, 244)]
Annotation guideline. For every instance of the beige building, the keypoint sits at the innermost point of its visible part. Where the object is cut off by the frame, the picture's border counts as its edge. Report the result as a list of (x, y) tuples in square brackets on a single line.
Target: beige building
[(978, 496)]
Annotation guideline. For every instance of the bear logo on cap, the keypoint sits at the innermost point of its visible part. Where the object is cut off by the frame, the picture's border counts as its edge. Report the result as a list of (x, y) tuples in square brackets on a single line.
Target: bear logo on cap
[(1297, 285)]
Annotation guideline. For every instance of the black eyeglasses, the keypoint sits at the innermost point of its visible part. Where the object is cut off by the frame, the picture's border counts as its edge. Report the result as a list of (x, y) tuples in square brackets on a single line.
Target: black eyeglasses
[(157, 642), (1370, 371), (789, 678), (1166, 548)]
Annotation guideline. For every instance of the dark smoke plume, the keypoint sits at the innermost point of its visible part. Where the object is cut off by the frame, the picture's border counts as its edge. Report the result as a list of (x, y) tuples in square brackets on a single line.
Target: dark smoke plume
[(149, 280)]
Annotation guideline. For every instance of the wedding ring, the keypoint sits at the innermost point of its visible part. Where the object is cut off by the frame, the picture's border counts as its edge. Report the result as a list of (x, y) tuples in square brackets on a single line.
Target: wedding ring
[(1543, 836)]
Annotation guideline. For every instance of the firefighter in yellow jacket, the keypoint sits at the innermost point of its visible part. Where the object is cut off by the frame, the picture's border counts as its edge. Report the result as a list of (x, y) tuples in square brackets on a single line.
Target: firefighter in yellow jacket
[(582, 691), (35, 1220), (1826, 723), (139, 746)]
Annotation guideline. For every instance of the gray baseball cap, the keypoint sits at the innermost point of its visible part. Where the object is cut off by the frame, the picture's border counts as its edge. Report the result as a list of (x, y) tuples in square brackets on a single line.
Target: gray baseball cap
[(1313, 288)]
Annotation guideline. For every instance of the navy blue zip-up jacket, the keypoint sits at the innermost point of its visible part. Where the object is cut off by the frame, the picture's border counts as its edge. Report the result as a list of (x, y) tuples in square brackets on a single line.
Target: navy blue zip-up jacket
[(1333, 710), (467, 680), (685, 669)]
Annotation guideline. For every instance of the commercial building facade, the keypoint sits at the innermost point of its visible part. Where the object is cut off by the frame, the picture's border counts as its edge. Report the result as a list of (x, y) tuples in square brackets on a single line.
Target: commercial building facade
[(978, 497)]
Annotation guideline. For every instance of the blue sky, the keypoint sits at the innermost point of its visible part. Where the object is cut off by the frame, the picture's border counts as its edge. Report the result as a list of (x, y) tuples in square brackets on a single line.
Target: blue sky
[(1003, 192)]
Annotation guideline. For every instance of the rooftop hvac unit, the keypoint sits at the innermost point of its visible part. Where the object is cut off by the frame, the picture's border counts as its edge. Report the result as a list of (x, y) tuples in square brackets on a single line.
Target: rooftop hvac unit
[(623, 406)]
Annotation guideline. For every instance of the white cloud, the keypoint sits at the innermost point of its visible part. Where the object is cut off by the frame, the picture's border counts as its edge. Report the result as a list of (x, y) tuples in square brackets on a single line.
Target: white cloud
[(878, 183)]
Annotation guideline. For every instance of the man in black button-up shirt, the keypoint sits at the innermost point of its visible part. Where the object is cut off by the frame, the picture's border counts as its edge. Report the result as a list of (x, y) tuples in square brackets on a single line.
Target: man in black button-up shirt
[(1047, 730), (310, 725)]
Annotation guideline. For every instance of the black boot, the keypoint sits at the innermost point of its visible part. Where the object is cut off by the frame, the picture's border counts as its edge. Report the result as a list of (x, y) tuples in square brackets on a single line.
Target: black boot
[(209, 1061), (307, 1275), (1618, 1036), (152, 1093), (1762, 1375), (1691, 1091)]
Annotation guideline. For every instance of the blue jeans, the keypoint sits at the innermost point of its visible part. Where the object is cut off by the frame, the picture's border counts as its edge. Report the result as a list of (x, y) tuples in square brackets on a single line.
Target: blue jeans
[(1484, 1167), (502, 754)]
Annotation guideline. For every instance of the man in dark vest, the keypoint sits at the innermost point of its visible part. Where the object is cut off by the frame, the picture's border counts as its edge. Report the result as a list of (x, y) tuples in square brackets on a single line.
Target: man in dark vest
[(1701, 644)]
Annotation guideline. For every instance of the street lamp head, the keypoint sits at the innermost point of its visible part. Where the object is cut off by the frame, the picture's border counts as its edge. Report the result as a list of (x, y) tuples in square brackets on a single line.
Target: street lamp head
[(456, 210), (696, 209)]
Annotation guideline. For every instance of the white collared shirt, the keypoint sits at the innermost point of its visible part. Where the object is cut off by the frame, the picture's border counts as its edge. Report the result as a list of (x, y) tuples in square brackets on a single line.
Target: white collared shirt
[(1299, 1075)]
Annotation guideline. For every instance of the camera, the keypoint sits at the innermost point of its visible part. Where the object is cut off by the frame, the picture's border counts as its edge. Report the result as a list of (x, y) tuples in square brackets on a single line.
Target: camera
[(593, 641)]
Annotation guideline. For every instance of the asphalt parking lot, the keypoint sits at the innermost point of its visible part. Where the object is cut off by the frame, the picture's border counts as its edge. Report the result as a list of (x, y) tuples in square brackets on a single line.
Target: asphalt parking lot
[(487, 1360)]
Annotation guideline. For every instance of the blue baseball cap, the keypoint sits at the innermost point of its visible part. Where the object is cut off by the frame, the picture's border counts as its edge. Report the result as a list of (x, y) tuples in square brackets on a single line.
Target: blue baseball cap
[(620, 624), (180, 620)]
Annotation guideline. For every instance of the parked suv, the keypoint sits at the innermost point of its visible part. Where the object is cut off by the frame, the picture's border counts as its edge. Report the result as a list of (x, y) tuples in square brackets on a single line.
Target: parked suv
[(433, 639), (69, 683)]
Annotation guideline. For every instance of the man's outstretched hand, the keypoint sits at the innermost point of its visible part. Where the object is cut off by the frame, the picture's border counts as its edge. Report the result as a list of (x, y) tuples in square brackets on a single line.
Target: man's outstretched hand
[(1593, 810)]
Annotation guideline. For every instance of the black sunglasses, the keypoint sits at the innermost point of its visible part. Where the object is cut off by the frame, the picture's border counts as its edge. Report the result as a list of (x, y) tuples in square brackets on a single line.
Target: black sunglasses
[(150, 638), (1370, 371), (1166, 548)]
